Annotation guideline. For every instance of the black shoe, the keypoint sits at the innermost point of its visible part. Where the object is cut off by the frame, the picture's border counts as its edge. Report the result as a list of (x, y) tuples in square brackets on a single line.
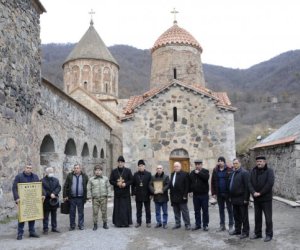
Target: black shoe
[(176, 227), (234, 233), (268, 238), (221, 228), (81, 228), (244, 236), (34, 235), (95, 227), (255, 236), (188, 227), (19, 237), (165, 226), (137, 225), (158, 225), (105, 225), (71, 228), (205, 228), (196, 228), (55, 230), (148, 225), (45, 232)]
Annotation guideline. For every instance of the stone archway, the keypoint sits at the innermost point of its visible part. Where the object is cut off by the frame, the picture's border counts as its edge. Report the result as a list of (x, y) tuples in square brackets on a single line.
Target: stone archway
[(47, 151), (182, 156), (70, 157)]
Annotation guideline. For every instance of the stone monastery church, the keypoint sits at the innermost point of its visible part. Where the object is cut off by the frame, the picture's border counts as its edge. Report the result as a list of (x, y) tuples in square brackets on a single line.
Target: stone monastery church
[(178, 119)]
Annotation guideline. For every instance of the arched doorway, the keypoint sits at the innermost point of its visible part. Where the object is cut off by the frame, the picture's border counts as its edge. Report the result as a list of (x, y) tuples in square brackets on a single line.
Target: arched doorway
[(47, 151), (182, 156)]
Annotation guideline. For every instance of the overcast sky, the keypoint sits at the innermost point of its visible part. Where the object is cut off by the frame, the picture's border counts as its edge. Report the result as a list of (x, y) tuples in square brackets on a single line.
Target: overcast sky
[(232, 33)]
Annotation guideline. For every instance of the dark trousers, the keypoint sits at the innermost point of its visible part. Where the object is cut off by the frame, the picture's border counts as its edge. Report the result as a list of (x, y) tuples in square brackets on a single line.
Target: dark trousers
[(241, 220), (164, 207), (181, 208), (79, 204), (266, 208), (139, 208), (47, 212), (30, 225), (222, 200), (201, 202)]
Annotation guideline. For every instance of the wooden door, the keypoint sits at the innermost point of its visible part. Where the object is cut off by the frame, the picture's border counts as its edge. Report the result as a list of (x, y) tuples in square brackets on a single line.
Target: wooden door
[(185, 164)]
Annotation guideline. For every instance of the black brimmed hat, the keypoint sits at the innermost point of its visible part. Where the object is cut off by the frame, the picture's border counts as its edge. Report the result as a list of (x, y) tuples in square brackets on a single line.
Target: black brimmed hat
[(260, 157), (121, 158)]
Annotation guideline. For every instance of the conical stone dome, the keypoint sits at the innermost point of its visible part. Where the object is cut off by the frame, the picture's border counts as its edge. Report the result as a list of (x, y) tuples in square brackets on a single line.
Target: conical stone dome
[(91, 46)]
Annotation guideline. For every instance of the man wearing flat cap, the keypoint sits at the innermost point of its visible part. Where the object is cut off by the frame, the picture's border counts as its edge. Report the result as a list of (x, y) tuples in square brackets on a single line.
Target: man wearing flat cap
[(140, 188), (260, 186), (199, 186), (121, 179)]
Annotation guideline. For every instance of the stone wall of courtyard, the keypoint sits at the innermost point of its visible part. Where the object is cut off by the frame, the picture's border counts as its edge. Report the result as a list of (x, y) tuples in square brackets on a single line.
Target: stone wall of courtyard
[(39, 123)]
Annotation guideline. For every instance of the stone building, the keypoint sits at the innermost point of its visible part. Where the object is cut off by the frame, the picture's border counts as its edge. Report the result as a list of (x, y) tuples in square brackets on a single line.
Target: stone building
[(178, 119), (39, 122), (91, 76), (282, 149)]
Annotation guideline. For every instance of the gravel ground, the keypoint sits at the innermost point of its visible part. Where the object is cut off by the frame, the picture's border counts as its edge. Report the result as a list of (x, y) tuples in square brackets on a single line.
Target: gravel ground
[(285, 218)]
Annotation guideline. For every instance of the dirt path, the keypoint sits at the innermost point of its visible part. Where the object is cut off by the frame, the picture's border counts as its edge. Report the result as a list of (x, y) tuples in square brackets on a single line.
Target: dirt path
[(286, 234)]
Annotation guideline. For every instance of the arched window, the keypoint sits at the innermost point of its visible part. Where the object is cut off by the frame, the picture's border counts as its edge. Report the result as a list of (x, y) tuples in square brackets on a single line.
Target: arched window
[(95, 152), (175, 114), (106, 88), (70, 148), (85, 150), (175, 73), (102, 153), (85, 85), (47, 145)]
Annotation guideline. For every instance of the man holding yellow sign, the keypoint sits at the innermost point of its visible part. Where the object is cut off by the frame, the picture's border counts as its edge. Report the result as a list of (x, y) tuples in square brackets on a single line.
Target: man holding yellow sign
[(28, 195)]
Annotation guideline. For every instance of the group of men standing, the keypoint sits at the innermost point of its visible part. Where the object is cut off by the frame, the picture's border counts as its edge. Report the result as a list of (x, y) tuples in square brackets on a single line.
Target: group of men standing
[(231, 187)]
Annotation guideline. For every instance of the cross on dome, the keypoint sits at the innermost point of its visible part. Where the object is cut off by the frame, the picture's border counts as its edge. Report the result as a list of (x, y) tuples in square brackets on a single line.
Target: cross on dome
[(92, 12), (174, 11)]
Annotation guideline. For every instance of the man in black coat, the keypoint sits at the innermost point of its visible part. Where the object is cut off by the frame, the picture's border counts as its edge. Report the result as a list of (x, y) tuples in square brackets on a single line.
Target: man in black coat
[(52, 189), (239, 195), (179, 188), (24, 177), (141, 191), (159, 186), (260, 186), (121, 179), (220, 190), (199, 186)]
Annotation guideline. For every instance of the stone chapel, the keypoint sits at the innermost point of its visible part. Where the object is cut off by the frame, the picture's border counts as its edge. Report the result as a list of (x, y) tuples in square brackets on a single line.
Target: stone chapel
[(178, 119)]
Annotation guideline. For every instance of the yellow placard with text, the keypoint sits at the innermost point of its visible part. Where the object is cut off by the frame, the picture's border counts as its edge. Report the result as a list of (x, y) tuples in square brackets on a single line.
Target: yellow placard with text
[(31, 203)]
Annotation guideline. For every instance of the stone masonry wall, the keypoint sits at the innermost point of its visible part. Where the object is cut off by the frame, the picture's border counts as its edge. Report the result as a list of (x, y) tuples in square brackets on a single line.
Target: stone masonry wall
[(36, 115), (285, 161), (97, 74), (186, 60), (19, 87), (202, 130)]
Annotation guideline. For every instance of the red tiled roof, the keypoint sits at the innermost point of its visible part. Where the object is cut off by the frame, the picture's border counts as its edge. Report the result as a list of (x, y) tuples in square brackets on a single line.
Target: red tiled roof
[(221, 98), (176, 35), (284, 140)]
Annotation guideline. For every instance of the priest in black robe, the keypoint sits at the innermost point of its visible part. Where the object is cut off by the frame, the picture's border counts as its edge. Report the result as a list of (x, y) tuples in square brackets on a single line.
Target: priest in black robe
[(121, 179)]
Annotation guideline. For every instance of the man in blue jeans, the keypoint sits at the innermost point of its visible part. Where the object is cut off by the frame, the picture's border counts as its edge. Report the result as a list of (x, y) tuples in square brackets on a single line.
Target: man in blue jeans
[(199, 186), (25, 177), (75, 191), (159, 186), (220, 190)]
